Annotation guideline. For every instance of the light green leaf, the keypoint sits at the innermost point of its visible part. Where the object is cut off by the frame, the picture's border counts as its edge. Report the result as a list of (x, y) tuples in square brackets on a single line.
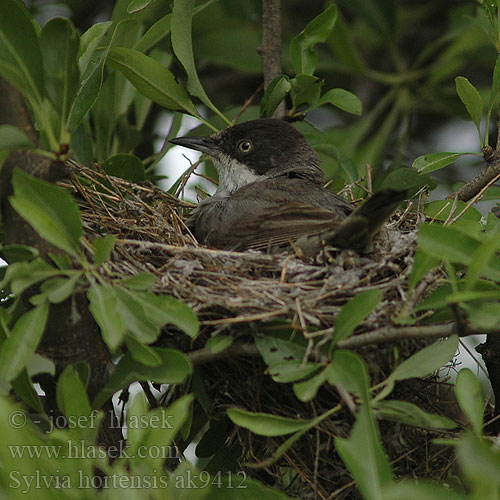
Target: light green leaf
[(18, 348), (265, 424), (480, 259), (354, 312), (23, 387), (182, 14), (427, 360), (342, 99), (434, 161), (349, 370), (49, 209), (484, 315), (302, 54), (275, 93), (139, 281), (22, 275), (20, 58), (162, 310), (495, 84), (407, 413), (158, 31), (470, 97), (142, 353), (273, 349), (104, 306), (418, 490), (305, 89), (470, 398), (59, 289), (364, 456), (307, 389), (152, 79), (290, 370), (72, 399), (103, 248), (446, 243), (12, 138), (89, 42)]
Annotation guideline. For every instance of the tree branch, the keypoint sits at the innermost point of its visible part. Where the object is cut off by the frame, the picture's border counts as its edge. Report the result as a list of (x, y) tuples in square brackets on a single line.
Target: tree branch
[(271, 46)]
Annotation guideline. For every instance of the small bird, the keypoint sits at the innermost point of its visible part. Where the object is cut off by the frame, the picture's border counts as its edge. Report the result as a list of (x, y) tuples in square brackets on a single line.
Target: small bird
[(271, 195)]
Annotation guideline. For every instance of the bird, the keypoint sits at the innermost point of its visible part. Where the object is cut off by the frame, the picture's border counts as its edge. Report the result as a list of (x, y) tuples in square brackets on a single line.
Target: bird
[(271, 194)]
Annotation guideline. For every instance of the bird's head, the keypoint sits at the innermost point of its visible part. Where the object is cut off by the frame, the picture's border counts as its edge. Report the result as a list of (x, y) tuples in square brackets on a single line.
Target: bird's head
[(256, 150)]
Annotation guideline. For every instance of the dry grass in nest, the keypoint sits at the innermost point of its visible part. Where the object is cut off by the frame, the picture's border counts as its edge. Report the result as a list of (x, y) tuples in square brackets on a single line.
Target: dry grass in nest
[(242, 291)]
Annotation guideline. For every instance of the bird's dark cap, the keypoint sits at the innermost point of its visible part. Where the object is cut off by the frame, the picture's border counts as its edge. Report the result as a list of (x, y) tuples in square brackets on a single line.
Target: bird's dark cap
[(203, 144)]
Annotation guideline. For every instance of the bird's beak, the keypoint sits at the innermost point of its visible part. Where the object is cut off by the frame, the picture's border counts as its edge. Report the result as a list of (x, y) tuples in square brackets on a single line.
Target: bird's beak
[(203, 144)]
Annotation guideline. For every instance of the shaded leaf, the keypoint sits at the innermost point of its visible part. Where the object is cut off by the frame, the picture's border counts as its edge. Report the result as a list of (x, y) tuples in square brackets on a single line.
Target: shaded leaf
[(89, 42), (470, 398), (125, 166), (219, 343), (12, 138), (275, 93)]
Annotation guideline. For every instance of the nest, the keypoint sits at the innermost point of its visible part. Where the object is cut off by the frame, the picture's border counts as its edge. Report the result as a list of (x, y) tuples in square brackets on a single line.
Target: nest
[(245, 292)]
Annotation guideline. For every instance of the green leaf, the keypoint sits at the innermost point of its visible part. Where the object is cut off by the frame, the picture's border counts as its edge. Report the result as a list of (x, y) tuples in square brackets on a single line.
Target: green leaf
[(20, 58), (57, 290), (446, 243), (59, 44), (22, 275), (302, 53), (290, 370), (407, 179), (103, 248), (19, 253), (495, 84), (349, 370), (151, 79), (125, 166), (407, 413), (49, 209), (23, 387), (434, 161), (173, 369), (22, 342), (354, 312), (470, 398), (72, 399), (135, 319), (307, 389), (265, 424), (480, 259), (427, 360), (364, 456), (12, 138), (273, 349), (470, 97), (345, 162), (139, 281), (158, 31), (418, 490), (142, 353), (162, 310), (219, 343), (137, 5), (305, 89), (342, 99), (182, 14), (89, 42), (104, 306), (484, 315), (275, 93)]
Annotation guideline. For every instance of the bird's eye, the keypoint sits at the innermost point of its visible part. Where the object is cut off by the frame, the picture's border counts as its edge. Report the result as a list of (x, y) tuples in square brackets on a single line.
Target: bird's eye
[(245, 146)]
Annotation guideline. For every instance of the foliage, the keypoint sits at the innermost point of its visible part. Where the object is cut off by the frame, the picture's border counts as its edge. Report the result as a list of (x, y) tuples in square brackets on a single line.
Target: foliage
[(92, 94)]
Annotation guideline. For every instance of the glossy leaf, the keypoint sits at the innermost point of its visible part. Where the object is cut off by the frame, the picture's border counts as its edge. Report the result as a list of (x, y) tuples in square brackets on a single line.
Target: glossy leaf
[(265, 424), (49, 209), (125, 166), (151, 79), (302, 53), (354, 312), (434, 161), (275, 93), (18, 348), (12, 138), (470, 398)]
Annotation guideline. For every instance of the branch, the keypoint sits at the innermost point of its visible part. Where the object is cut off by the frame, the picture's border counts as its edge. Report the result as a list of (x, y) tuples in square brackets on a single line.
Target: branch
[(271, 46)]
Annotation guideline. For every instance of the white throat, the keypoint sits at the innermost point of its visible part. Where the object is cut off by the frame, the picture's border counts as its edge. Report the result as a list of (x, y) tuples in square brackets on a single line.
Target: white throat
[(233, 175)]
